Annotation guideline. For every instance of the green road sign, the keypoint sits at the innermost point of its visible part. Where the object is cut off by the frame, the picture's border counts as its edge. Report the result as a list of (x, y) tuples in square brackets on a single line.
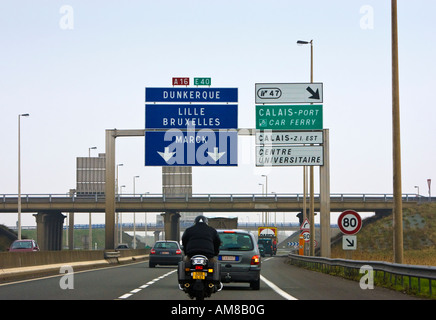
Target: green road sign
[(202, 81), (295, 117)]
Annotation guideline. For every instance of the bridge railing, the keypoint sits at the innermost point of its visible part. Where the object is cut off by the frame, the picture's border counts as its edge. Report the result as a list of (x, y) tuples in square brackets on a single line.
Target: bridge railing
[(340, 197)]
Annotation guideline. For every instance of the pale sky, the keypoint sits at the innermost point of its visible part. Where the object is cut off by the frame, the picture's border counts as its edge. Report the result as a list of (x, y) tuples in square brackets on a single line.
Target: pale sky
[(80, 67)]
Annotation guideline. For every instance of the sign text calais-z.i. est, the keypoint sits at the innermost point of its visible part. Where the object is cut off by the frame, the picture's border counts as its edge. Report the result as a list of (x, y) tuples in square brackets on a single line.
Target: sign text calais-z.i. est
[(191, 126)]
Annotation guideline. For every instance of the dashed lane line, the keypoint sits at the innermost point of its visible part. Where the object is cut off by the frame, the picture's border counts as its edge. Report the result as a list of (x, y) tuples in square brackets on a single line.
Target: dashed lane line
[(132, 292)]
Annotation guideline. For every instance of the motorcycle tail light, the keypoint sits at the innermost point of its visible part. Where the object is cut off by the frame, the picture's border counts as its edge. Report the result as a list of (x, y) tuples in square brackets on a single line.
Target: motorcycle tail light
[(198, 267)]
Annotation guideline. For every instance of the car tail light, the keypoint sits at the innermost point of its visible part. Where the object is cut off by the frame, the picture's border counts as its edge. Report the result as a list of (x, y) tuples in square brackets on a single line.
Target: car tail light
[(255, 260), (152, 251), (178, 251)]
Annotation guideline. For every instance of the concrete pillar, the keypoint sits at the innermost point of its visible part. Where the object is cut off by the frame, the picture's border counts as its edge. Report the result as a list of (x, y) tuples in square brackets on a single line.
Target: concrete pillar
[(71, 231), (156, 235), (49, 226), (171, 225)]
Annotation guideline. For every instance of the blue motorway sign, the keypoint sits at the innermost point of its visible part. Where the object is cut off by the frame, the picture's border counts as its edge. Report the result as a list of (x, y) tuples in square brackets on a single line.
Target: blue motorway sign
[(191, 94), (195, 116), (204, 147)]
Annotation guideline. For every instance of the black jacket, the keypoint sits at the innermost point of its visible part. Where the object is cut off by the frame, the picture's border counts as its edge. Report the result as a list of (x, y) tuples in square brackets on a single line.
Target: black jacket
[(201, 239)]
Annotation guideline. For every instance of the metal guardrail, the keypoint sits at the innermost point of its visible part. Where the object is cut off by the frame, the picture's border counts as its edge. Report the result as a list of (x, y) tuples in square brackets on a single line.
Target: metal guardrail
[(340, 197), (402, 270)]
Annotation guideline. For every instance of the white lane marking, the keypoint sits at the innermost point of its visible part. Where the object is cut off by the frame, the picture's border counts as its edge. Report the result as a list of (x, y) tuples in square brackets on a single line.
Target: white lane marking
[(277, 289), (135, 290), (127, 295)]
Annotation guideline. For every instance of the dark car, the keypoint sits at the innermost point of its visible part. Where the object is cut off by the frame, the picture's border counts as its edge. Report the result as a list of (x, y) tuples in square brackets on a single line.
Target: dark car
[(268, 245), (24, 246), (165, 253), (122, 246), (261, 249), (239, 257)]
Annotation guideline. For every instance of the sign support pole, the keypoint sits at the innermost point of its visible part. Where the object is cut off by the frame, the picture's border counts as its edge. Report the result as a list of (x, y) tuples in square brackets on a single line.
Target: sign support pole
[(324, 177), (398, 204), (110, 190)]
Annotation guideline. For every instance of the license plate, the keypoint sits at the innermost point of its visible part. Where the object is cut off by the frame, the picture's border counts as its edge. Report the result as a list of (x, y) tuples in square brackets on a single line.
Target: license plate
[(198, 275), (165, 252), (228, 258)]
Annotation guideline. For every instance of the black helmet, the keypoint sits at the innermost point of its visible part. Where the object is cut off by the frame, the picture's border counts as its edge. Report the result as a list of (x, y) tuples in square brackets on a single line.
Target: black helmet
[(202, 219)]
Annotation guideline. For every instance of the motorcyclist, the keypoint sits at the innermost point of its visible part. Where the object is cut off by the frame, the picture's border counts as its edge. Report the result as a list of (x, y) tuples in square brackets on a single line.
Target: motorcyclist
[(201, 239)]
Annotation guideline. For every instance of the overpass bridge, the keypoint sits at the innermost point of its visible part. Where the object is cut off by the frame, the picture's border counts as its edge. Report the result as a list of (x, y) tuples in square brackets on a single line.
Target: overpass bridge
[(199, 203), (49, 207)]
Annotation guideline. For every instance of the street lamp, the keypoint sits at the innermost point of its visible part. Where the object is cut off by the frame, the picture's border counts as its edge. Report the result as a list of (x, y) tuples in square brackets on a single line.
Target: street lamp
[(134, 216), (312, 192), (90, 214), (89, 151), (264, 220), (116, 182), (19, 172), (120, 219), (266, 193)]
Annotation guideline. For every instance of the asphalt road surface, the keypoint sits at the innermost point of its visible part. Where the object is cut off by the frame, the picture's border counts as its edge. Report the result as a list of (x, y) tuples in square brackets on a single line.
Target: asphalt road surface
[(137, 281)]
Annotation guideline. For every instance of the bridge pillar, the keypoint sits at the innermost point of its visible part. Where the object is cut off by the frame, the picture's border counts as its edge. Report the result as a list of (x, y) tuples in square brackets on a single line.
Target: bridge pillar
[(156, 235), (171, 225), (49, 227)]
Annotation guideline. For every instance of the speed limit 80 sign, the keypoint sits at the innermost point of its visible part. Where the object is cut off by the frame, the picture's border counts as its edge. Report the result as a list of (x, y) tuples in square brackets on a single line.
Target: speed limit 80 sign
[(349, 222)]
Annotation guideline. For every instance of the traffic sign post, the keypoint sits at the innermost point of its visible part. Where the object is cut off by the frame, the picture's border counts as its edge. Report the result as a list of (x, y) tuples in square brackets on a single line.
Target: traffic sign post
[(289, 92), (306, 235), (349, 222), (305, 225), (349, 242), (292, 117), (184, 129), (191, 94), (273, 156), (270, 137), (191, 148), (200, 116)]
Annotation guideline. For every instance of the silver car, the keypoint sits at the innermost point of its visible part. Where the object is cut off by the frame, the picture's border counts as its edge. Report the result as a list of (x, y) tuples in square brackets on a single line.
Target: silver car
[(239, 257)]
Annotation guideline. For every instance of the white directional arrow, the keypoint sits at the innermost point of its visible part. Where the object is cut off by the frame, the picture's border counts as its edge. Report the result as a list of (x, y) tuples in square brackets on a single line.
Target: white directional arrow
[(215, 155), (166, 155)]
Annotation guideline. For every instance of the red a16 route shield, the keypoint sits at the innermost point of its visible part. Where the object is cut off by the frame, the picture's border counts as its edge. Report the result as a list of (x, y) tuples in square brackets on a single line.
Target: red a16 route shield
[(349, 222)]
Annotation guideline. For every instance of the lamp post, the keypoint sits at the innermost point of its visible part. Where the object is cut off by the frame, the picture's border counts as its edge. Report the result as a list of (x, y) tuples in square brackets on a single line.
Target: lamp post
[(264, 222), (417, 193), (312, 192), (116, 182), (90, 214), (134, 216), (19, 172), (89, 151), (120, 219), (266, 194)]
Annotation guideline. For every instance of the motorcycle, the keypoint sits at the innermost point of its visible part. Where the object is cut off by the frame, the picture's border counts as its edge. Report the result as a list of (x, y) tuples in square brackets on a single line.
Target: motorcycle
[(199, 277)]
